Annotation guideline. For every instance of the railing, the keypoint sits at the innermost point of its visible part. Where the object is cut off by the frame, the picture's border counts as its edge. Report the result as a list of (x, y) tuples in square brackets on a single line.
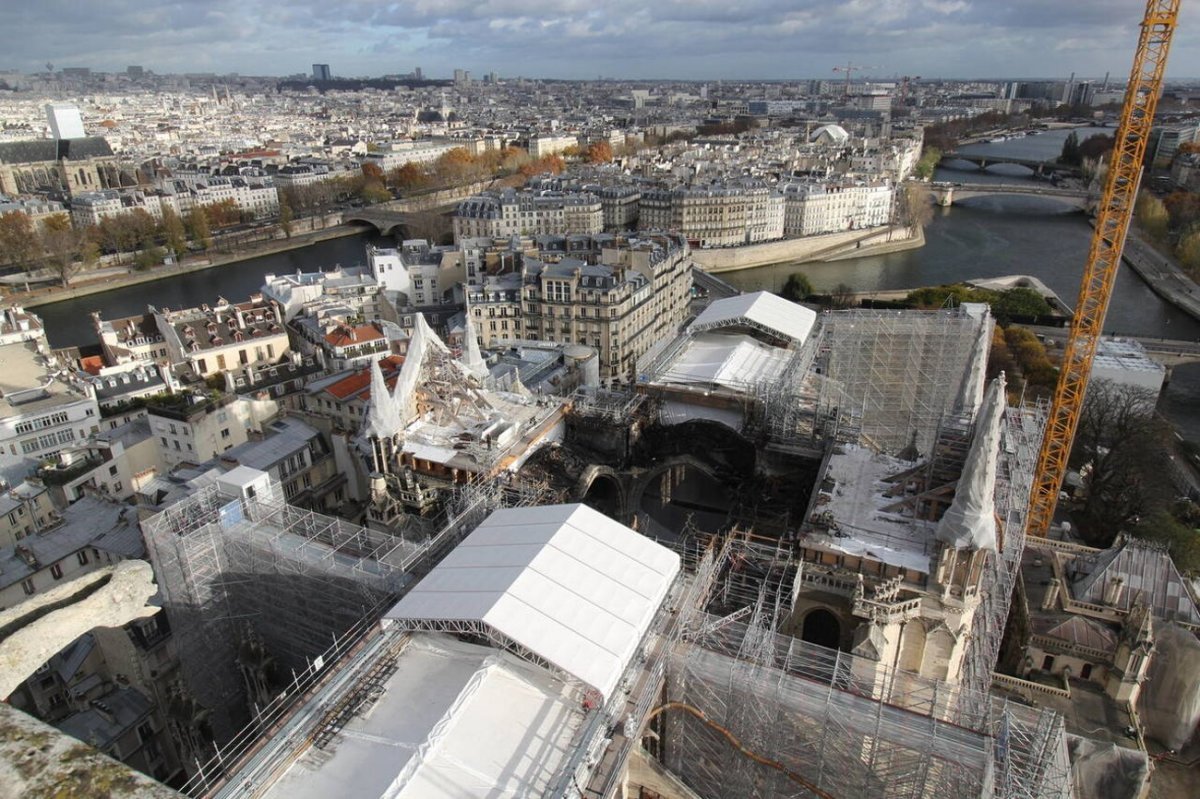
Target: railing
[(1019, 685), (1067, 647)]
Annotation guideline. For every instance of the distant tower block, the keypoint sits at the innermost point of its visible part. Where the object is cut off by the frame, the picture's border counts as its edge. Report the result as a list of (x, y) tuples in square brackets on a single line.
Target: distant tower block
[(321, 72), (65, 121)]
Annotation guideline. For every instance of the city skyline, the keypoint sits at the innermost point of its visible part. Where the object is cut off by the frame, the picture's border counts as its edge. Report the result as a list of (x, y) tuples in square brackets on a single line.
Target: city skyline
[(565, 39)]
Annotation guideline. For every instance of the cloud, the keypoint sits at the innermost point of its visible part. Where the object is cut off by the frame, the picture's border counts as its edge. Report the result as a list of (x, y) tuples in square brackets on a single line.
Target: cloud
[(704, 39)]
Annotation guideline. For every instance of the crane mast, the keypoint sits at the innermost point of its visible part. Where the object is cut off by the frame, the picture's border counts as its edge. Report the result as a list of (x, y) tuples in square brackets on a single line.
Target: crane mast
[(1104, 257)]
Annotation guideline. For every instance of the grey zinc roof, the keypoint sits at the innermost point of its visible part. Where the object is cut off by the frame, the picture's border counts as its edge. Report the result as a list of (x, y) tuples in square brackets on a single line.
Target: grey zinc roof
[(125, 708), (32, 151), (1145, 569), (90, 522)]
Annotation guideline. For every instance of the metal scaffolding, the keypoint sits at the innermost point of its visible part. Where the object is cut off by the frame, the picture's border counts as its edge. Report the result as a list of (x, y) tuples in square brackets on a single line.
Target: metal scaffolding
[(843, 724), (294, 580), (894, 375)]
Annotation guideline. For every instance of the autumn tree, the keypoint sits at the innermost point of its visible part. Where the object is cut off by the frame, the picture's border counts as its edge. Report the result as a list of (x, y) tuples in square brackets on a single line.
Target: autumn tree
[(1188, 251), (599, 152), (1183, 208), (408, 178), (453, 166), (61, 243), (1096, 146), (373, 192), (198, 228), (172, 230), (225, 213), (1152, 216), (18, 240), (372, 171)]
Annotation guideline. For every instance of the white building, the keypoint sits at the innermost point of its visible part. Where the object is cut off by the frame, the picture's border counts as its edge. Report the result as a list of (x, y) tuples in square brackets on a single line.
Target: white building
[(512, 213), (39, 415), (811, 209)]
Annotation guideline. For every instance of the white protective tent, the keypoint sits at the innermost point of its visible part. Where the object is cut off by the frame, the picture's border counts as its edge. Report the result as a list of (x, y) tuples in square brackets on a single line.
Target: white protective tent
[(564, 582), (762, 310)]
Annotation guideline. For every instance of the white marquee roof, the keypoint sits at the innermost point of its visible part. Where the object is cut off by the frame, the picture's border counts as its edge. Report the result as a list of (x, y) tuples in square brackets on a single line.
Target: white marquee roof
[(733, 361), (567, 583), (761, 309)]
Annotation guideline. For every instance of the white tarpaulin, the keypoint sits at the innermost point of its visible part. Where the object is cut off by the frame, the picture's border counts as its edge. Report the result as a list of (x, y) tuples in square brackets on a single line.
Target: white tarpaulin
[(564, 581), (761, 309), (731, 361)]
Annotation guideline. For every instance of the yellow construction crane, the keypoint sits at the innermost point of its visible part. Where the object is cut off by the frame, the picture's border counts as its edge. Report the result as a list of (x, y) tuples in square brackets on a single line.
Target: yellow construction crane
[(1104, 257)]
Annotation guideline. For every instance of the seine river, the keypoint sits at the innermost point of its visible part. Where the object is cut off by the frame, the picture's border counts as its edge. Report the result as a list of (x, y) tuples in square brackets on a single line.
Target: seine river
[(984, 237)]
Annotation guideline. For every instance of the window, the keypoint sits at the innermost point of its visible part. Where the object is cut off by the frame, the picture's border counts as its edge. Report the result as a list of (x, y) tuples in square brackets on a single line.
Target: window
[(112, 471), (82, 557), (225, 433), (27, 586), (56, 571)]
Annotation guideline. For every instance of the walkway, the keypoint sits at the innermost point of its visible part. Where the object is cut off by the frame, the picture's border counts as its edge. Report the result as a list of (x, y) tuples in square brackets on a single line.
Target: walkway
[(1163, 274)]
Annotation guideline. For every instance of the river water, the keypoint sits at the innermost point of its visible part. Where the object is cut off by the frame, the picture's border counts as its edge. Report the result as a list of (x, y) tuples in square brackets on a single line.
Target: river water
[(983, 237)]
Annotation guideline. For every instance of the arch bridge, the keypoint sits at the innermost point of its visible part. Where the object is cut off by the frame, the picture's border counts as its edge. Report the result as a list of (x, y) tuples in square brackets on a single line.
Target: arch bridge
[(1040, 167), (384, 220), (946, 194)]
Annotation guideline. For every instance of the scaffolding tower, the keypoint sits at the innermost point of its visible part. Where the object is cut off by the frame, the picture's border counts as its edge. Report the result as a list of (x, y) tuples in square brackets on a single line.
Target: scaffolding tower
[(231, 568), (820, 719), (894, 375)]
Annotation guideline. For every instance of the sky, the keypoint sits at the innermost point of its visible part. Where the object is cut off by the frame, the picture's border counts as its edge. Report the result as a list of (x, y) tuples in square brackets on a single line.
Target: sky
[(670, 39)]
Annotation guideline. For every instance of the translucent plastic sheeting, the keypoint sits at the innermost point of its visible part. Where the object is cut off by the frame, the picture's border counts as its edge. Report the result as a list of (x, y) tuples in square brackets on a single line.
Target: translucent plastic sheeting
[(1170, 701)]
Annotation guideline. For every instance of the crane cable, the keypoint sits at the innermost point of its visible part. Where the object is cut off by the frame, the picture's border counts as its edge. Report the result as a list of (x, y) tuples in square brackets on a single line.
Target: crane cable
[(737, 744)]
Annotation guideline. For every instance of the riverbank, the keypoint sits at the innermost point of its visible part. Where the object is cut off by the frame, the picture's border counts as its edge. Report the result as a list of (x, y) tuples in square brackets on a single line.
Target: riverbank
[(84, 288), (1163, 274), (810, 249)]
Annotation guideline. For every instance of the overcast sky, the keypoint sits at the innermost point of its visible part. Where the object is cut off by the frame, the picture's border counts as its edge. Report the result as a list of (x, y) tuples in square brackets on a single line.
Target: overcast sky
[(686, 39)]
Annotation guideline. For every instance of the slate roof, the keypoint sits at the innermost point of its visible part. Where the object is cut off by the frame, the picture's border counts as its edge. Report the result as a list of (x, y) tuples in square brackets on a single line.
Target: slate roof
[(1145, 569), (32, 151)]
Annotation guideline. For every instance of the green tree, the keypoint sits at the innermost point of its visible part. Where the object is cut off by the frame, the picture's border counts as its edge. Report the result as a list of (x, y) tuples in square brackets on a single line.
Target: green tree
[(172, 230), (1071, 153), (797, 288), (1182, 540), (286, 215), (930, 158), (198, 228), (18, 240)]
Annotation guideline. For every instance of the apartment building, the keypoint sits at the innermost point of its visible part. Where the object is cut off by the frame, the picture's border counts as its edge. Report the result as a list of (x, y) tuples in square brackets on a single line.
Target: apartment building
[(225, 336), (345, 344), (633, 295), (298, 458), (811, 209), (24, 510), (39, 414), (321, 293), (618, 205), (525, 213), (717, 215), (544, 144), (194, 428)]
